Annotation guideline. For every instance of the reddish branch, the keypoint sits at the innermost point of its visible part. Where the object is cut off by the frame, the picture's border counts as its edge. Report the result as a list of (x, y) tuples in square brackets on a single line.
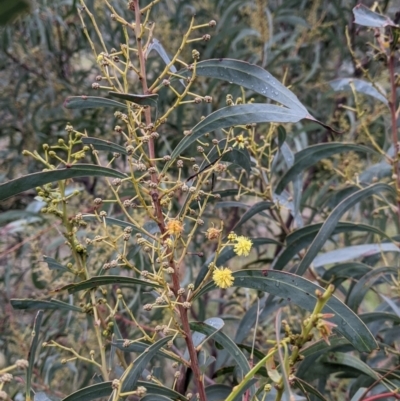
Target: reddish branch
[(159, 215)]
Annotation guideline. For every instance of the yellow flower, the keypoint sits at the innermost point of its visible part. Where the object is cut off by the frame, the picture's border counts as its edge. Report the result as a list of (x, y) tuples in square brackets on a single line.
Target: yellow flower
[(239, 141), (223, 277), (243, 246), (232, 236), (175, 227)]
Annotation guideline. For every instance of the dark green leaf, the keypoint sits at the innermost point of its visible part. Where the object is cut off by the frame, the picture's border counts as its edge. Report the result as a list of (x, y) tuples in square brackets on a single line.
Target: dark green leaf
[(301, 292), (218, 392), (34, 180), (139, 347), (11, 9), (361, 86), (312, 155), (153, 388), (53, 264), (90, 102), (89, 393), (132, 373), (340, 358), (321, 346), (236, 115), (306, 388), (232, 349), (142, 100), (366, 283), (364, 16), (339, 273), (331, 222), (255, 209), (155, 397), (301, 238), (32, 353), (115, 222), (252, 77), (101, 144), (95, 282), (50, 304)]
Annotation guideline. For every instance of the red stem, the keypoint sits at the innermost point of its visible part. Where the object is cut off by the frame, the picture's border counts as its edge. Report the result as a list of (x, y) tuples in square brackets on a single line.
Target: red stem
[(392, 105), (160, 217), (382, 396)]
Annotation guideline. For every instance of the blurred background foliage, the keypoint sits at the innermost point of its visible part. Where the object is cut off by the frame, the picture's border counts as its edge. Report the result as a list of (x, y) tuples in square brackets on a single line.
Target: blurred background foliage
[(44, 57)]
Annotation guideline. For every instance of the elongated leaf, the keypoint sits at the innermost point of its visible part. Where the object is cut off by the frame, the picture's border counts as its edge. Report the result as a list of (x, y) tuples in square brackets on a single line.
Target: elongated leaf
[(101, 144), (34, 180), (106, 280), (50, 304), (236, 115), (306, 388), (373, 317), (339, 273), (91, 102), (340, 358), (139, 347), (312, 155), (301, 238), (218, 336), (255, 209), (218, 392), (353, 252), (252, 77), (155, 389), (32, 352), (143, 100), (135, 369), (89, 393), (53, 264), (155, 397), (364, 16), (321, 345), (361, 86), (300, 291), (365, 284), (331, 222)]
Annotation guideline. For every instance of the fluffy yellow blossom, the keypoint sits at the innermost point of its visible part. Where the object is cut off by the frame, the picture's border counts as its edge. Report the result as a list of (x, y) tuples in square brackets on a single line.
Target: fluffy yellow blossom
[(243, 246), (175, 227), (223, 277)]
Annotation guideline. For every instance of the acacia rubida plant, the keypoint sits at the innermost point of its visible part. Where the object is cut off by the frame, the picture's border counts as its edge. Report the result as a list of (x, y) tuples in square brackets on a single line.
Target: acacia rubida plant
[(145, 253)]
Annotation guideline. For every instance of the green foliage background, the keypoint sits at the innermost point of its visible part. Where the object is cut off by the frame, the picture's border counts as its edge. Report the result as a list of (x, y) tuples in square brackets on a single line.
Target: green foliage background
[(44, 58)]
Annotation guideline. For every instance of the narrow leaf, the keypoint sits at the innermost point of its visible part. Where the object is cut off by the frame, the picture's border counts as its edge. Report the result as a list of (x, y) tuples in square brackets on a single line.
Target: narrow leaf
[(255, 209), (142, 100), (32, 352), (364, 16), (135, 369), (236, 115), (221, 338), (312, 155), (301, 292), (90, 102), (340, 358), (53, 264), (34, 180), (101, 144), (106, 280), (249, 76), (361, 86), (44, 304), (331, 222), (89, 393), (306, 388)]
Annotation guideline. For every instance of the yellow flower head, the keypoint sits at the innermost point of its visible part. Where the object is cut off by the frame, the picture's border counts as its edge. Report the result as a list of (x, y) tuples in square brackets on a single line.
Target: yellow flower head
[(174, 227), (232, 236), (223, 277), (243, 246), (239, 141)]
